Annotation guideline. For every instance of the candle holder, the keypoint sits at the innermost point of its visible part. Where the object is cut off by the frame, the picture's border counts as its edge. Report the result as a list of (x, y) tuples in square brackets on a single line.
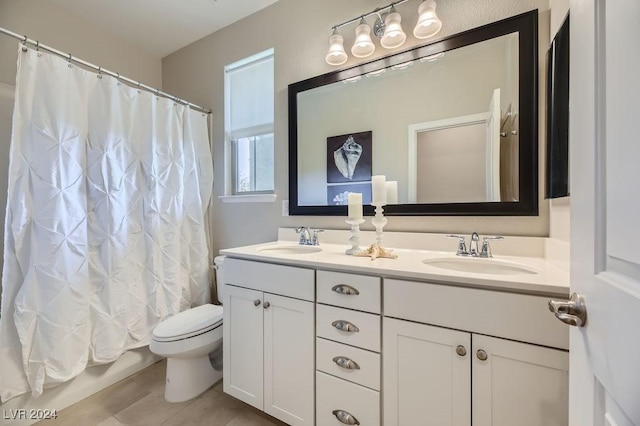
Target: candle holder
[(355, 236), (379, 221)]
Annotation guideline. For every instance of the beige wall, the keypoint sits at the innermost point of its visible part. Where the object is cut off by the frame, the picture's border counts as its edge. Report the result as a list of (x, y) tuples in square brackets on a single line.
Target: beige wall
[(43, 21), (298, 31)]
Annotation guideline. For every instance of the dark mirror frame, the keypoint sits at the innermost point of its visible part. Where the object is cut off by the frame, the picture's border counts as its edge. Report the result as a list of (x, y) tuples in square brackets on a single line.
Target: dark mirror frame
[(526, 25)]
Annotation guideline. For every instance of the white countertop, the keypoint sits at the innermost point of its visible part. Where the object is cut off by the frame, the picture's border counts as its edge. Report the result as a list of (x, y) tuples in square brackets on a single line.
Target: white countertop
[(550, 280)]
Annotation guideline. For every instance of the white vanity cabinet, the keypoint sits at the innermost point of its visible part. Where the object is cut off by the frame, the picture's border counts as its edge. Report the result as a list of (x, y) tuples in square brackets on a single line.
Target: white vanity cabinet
[(348, 343), (442, 376), (269, 338)]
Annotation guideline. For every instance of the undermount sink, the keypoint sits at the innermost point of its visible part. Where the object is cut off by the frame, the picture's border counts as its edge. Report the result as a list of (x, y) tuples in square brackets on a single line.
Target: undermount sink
[(480, 266), (290, 249)]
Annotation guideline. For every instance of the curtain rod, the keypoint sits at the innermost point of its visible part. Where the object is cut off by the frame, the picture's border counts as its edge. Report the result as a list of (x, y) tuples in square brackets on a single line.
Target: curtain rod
[(100, 70)]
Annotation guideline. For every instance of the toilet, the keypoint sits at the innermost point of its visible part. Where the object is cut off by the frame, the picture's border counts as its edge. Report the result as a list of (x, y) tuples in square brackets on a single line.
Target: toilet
[(187, 340)]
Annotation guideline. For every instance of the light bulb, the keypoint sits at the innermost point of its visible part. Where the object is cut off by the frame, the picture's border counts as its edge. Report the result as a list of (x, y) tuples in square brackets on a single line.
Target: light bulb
[(336, 54), (363, 46), (428, 22), (393, 35)]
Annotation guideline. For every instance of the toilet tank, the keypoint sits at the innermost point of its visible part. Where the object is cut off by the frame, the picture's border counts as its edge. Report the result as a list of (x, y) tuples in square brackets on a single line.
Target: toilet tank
[(219, 268)]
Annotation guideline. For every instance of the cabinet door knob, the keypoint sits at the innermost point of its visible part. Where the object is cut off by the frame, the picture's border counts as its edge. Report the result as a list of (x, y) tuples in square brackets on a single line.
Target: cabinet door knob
[(345, 417), (461, 350), (256, 302), (343, 325), (266, 305), (482, 355), (346, 363), (345, 289)]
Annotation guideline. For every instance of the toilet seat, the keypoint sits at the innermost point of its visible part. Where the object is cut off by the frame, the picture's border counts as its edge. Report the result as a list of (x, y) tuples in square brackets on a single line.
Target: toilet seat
[(189, 323)]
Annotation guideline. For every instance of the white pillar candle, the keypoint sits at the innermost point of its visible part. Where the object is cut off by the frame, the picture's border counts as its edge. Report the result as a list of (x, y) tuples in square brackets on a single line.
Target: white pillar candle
[(378, 189), (392, 191), (355, 205)]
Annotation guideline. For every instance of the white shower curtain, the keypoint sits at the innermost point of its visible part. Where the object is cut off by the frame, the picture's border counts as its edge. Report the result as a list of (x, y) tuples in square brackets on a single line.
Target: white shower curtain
[(105, 223)]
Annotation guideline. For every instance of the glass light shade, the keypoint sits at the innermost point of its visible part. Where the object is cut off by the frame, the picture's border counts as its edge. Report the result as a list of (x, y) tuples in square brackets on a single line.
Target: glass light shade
[(393, 35), (336, 54), (428, 22), (363, 46)]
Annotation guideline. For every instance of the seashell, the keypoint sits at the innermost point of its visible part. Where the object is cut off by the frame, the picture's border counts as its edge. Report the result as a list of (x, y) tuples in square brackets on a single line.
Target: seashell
[(375, 251), (346, 157)]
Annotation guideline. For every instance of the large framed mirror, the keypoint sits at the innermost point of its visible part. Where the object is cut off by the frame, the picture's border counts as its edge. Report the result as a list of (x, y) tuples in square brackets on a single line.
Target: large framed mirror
[(453, 122)]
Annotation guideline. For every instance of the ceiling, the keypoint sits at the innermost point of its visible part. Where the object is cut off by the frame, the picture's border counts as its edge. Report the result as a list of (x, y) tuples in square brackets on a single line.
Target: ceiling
[(160, 27)]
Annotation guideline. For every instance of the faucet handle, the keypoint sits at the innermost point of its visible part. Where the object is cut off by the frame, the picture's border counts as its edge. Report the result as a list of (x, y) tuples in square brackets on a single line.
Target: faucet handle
[(314, 237), (462, 245), (304, 234), (486, 248)]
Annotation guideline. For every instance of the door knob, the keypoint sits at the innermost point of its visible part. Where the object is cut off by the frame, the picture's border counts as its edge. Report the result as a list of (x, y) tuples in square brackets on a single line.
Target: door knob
[(461, 350), (572, 311), (256, 302), (266, 305)]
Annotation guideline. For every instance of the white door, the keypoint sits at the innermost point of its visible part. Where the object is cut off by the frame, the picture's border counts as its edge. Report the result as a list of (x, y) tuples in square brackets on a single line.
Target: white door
[(427, 375), (243, 344), (289, 359), (605, 211), (517, 383)]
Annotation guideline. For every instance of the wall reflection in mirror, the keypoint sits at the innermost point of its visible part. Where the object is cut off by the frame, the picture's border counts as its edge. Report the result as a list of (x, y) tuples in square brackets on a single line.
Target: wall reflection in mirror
[(444, 127)]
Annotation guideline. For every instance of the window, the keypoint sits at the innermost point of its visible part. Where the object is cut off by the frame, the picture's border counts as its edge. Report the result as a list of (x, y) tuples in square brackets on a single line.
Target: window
[(249, 146)]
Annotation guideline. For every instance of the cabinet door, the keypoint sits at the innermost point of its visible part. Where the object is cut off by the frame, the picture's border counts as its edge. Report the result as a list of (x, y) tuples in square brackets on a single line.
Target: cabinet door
[(425, 381), (242, 345), (289, 359), (519, 384)]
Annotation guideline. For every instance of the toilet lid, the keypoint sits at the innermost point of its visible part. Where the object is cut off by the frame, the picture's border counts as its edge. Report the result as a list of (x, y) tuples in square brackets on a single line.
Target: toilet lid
[(189, 322)]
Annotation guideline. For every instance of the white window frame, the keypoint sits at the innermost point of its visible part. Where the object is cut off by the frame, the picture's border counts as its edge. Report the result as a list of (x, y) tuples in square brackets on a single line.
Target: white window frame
[(229, 156)]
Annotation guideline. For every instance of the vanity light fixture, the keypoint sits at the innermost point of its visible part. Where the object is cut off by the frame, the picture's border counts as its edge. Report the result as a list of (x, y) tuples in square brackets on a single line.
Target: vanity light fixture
[(376, 72), (428, 22), (363, 46), (393, 35), (402, 66), (432, 58), (336, 54), (387, 27)]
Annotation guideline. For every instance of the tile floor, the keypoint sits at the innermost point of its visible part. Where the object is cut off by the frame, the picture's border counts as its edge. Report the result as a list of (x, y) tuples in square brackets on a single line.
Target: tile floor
[(139, 401)]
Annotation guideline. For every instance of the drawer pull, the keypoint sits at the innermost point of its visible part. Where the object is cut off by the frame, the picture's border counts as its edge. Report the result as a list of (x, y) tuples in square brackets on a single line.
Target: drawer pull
[(345, 289), (345, 326), (346, 363), (345, 417)]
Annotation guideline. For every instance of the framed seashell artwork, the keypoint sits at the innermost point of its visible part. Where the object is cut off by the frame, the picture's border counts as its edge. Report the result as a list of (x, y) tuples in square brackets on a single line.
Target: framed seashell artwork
[(349, 157)]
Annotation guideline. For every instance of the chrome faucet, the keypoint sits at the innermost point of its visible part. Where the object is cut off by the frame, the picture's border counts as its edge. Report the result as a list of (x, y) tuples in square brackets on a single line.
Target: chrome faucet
[(473, 251), (308, 237)]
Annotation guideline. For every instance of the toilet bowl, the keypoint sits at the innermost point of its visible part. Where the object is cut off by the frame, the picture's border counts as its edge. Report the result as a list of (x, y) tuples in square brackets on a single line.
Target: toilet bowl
[(186, 340)]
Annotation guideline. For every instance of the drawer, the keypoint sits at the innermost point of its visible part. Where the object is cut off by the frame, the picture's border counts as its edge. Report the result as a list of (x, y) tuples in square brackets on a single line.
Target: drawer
[(337, 394), (352, 291), (277, 279), (365, 372), (368, 325), (509, 315)]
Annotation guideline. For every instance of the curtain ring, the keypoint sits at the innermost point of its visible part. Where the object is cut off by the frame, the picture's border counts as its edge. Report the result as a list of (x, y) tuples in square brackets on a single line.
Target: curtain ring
[(99, 73), (38, 48), (118, 79), (69, 60), (24, 44), (139, 88), (158, 94)]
